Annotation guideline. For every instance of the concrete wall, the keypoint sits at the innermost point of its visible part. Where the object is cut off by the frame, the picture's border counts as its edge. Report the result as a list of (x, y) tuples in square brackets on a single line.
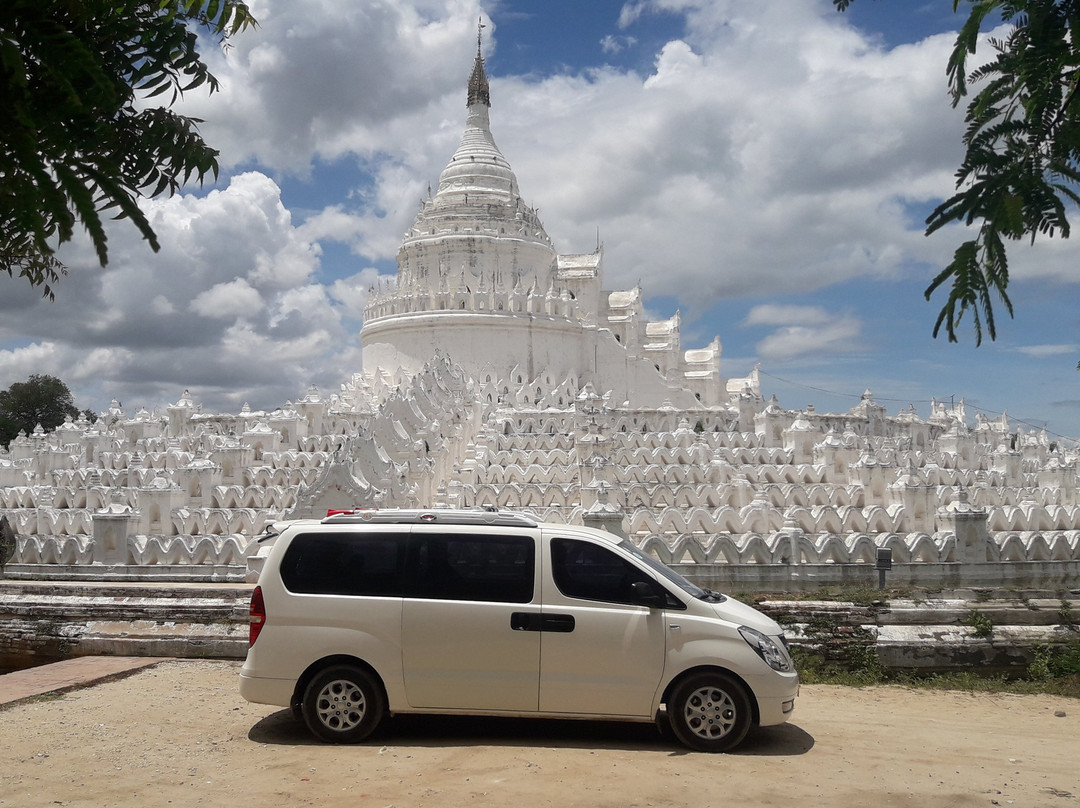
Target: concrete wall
[(922, 575)]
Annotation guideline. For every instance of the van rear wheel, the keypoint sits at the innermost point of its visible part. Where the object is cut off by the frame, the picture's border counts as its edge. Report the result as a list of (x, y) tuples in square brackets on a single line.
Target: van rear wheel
[(343, 704), (710, 712)]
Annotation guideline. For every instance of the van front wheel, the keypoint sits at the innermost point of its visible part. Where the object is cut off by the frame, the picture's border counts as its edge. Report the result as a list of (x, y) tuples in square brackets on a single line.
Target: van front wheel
[(343, 704), (710, 712)]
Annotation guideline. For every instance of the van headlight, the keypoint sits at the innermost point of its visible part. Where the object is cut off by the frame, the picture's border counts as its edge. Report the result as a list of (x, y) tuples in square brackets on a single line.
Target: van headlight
[(768, 649)]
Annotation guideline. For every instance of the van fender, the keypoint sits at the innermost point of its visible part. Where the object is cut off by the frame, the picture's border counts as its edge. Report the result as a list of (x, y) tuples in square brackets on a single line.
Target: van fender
[(660, 716), (688, 654), (363, 650)]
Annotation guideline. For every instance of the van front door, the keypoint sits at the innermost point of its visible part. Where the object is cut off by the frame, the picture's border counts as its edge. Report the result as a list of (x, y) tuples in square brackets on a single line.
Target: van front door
[(600, 653), (466, 619)]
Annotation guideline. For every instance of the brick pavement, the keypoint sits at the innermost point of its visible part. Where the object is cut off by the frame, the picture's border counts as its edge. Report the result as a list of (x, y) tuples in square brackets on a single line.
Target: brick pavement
[(70, 674)]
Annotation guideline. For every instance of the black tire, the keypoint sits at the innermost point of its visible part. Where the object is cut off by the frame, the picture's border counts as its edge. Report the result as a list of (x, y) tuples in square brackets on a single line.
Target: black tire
[(710, 712), (343, 704)]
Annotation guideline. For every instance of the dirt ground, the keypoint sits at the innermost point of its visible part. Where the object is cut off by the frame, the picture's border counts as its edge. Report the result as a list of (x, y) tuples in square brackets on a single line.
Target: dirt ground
[(180, 734)]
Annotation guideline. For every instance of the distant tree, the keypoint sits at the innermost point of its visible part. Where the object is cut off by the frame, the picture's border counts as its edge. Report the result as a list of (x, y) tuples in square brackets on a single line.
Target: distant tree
[(80, 134), (41, 400), (8, 542), (9, 430), (1022, 167)]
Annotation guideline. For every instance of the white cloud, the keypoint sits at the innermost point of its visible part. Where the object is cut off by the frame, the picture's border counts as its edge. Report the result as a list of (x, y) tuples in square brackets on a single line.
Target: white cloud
[(99, 362), (228, 308), (18, 364), (804, 331), (631, 12), (81, 370), (616, 44), (233, 299), (321, 79), (1042, 351), (161, 305), (775, 314), (790, 342), (334, 223)]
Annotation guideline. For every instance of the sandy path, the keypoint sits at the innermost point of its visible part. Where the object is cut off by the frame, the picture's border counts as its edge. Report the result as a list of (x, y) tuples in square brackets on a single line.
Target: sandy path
[(180, 734)]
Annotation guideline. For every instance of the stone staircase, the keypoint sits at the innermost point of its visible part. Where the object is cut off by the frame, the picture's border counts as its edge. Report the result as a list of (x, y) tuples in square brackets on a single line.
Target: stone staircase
[(57, 620)]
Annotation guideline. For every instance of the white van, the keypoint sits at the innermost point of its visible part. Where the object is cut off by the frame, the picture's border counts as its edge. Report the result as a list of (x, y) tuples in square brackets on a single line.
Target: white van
[(371, 612)]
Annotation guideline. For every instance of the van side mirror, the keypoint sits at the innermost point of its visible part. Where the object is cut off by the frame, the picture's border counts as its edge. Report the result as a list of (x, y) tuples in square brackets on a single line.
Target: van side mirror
[(645, 594)]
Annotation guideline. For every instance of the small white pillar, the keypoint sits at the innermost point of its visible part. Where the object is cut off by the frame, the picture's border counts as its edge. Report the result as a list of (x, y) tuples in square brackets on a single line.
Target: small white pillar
[(113, 527)]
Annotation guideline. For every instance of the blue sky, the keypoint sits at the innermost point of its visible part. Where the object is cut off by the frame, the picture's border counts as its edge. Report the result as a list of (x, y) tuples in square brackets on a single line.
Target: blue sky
[(764, 168)]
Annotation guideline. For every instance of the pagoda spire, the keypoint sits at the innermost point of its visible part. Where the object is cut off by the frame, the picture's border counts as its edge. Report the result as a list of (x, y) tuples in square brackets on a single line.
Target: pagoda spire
[(478, 81)]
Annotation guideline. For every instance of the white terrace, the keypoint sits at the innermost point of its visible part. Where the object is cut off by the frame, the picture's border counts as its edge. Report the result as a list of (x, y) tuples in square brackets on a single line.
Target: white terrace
[(749, 484)]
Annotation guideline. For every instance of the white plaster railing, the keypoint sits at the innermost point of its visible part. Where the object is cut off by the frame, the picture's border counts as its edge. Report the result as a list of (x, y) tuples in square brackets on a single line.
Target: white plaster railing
[(190, 550), (781, 547), (140, 550), (45, 549), (797, 548)]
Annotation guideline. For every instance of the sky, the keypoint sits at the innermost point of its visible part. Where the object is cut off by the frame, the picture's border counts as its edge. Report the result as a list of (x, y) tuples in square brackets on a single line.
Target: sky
[(763, 168)]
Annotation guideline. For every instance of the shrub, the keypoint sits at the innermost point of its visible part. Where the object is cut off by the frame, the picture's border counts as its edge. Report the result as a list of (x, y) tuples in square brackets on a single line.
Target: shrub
[(981, 625)]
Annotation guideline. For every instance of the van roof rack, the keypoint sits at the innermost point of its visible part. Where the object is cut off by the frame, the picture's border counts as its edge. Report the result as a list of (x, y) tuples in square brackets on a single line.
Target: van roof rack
[(442, 516)]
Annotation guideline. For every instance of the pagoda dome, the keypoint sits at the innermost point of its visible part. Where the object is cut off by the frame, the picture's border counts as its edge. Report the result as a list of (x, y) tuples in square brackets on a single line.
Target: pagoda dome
[(477, 169)]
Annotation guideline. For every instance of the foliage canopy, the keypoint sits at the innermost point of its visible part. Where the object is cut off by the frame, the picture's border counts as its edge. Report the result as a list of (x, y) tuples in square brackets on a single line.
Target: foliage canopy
[(41, 400), (1020, 173), (84, 131)]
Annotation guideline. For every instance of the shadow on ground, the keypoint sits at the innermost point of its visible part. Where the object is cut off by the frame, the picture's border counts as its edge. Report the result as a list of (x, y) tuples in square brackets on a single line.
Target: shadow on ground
[(281, 728)]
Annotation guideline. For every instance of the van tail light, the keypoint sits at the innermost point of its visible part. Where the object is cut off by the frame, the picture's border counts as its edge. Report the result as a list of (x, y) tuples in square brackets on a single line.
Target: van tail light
[(256, 616)]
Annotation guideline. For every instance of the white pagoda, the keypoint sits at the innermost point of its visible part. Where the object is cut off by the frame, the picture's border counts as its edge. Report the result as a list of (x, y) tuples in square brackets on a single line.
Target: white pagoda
[(479, 279)]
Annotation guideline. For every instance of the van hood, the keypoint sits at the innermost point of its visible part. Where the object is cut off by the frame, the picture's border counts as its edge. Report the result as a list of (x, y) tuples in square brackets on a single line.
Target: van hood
[(737, 612)]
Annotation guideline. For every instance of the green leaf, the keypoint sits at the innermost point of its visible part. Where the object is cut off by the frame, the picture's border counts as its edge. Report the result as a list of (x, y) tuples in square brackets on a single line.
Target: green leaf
[(77, 143)]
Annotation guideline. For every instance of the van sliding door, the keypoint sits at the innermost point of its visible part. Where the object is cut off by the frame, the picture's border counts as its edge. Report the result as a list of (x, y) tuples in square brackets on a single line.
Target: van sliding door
[(469, 599)]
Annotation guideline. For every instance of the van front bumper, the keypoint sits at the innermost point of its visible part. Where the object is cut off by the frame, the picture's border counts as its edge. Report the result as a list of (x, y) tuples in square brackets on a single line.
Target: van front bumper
[(776, 696), (775, 711)]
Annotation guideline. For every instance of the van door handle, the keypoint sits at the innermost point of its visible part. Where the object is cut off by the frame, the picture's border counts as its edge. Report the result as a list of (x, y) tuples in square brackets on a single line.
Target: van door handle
[(531, 621), (560, 623), (525, 621)]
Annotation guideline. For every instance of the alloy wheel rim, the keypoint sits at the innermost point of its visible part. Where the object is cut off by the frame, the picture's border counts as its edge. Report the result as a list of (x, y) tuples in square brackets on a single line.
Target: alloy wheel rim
[(341, 705), (710, 713)]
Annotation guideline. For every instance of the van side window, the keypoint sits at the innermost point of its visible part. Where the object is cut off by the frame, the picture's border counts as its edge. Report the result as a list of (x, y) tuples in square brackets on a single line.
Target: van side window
[(463, 567), (591, 572), (345, 564)]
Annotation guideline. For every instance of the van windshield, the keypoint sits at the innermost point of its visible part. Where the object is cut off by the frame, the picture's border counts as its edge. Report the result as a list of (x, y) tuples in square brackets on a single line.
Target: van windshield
[(668, 573)]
